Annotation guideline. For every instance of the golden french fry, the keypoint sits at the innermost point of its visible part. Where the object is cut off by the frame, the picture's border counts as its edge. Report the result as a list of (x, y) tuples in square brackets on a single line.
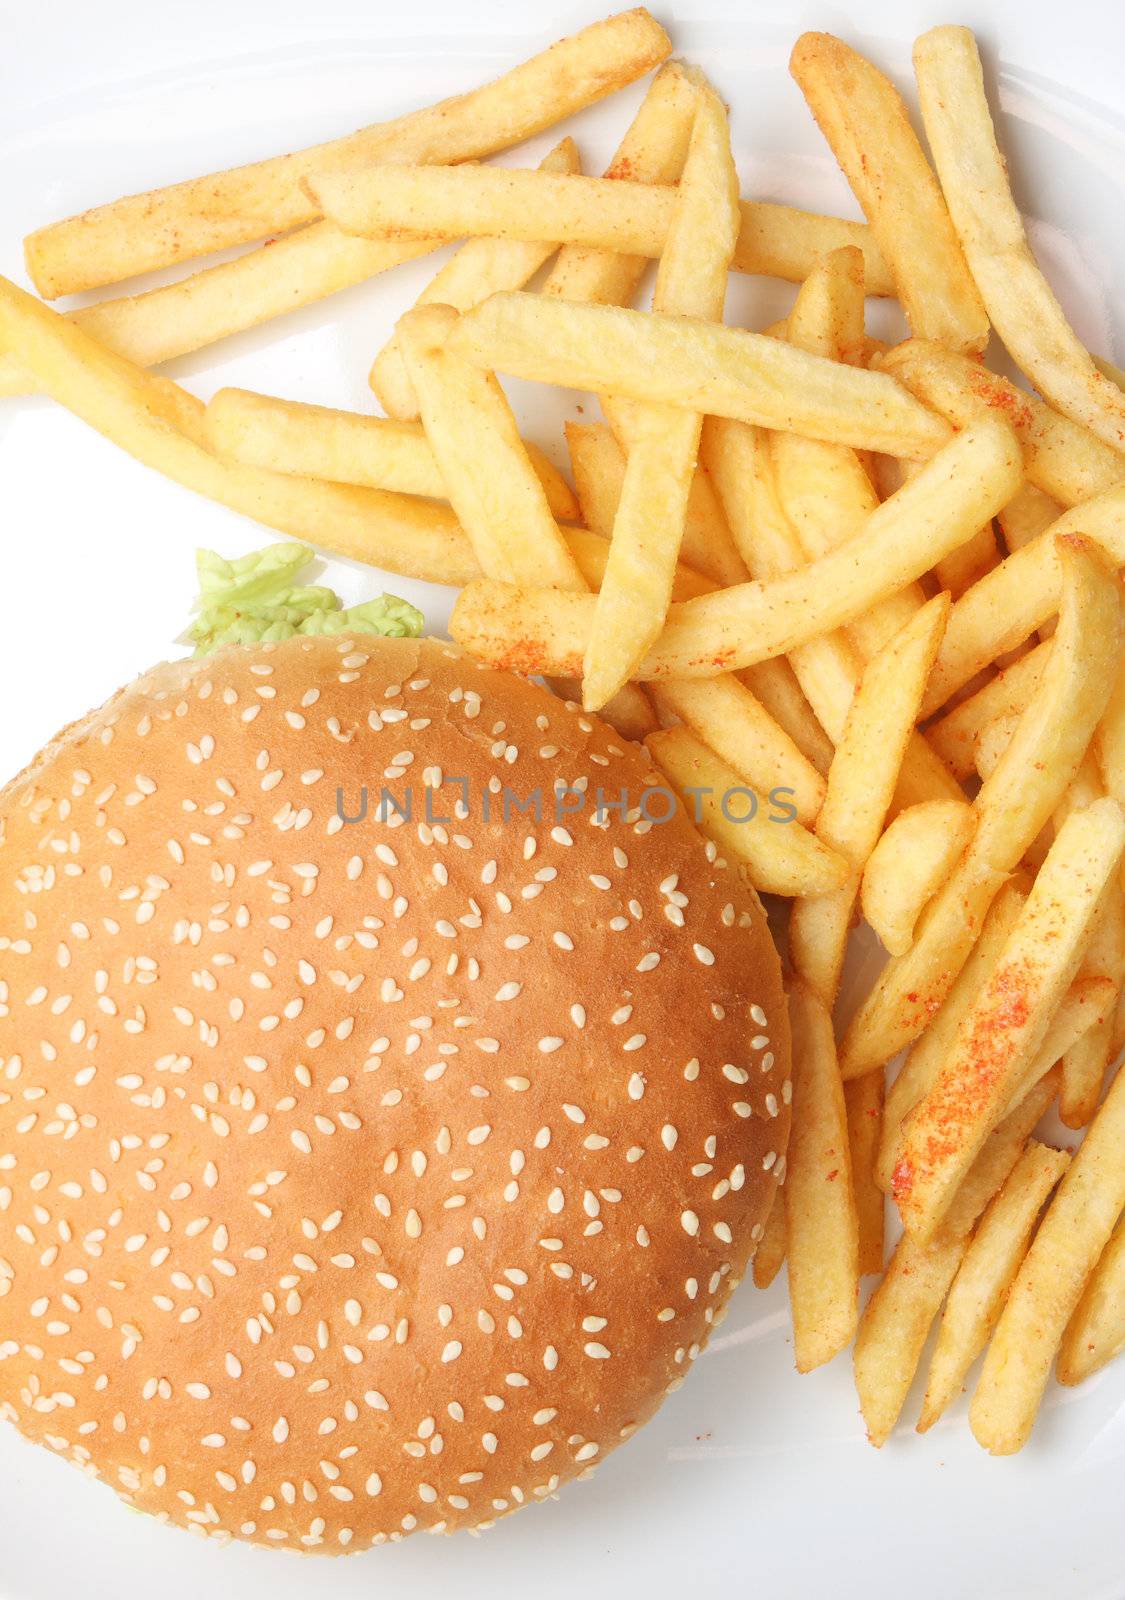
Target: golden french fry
[(1108, 370), (1020, 302), (824, 489), (1086, 1003), (1028, 514), (739, 462), (910, 862), (707, 541), (1085, 1063), (699, 366), (622, 217), (895, 1325), (1019, 595), (780, 856), (822, 1227), (726, 716), (591, 552), (778, 241), (653, 150), (775, 685), (1011, 808), (863, 117), (146, 231), (967, 564), (770, 1252), (861, 784), (992, 740), (1062, 458), (345, 447), (986, 1274), (897, 1319), (919, 1071), (598, 463), (649, 524), (1096, 1331), (487, 473), (479, 268), (863, 1098), (1049, 1285), (160, 324), (1109, 740), (954, 736), (146, 416), (971, 477), (1008, 1021)]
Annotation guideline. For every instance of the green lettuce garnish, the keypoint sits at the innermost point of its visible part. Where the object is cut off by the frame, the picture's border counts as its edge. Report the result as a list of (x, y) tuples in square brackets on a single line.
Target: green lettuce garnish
[(256, 599)]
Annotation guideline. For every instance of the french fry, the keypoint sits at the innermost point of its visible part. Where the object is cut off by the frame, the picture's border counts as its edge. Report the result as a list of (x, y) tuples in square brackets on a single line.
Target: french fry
[(727, 717), (998, 1039), (707, 540), (863, 1098), (910, 862), (622, 216), (918, 1073), (863, 118), (783, 242), (649, 525), (487, 473), (824, 489), (861, 784), (1086, 1003), (780, 856), (775, 685), (954, 736), (975, 474), (1085, 1063), (1028, 514), (1109, 740), (739, 461), (197, 311), (598, 464), (479, 268), (1049, 1285), (966, 565), (822, 1226), (699, 366), (1061, 457), (1024, 310), (490, 479), (899, 1315), (146, 416), (1096, 1331), (146, 231), (1011, 808), (895, 1325), (1019, 595), (1115, 374), (653, 150), (346, 447), (986, 1274), (591, 552), (770, 1253)]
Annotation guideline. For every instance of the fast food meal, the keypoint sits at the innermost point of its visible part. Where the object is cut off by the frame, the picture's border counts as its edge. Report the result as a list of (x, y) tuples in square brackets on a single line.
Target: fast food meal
[(396, 1065)]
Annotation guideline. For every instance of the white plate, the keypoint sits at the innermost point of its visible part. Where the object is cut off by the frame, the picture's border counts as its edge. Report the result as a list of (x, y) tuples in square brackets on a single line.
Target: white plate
[(750, 1474)]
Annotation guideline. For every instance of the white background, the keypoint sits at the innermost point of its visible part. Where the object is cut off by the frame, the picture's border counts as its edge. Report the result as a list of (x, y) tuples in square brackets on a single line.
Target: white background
[(750, 1476)]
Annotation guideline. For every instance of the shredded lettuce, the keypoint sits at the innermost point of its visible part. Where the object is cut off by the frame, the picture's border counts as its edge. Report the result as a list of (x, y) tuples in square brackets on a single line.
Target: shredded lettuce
[(256, 599)]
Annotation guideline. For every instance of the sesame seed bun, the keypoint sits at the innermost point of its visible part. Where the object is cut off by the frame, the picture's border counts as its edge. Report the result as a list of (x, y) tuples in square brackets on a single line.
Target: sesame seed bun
[(359, 1178)]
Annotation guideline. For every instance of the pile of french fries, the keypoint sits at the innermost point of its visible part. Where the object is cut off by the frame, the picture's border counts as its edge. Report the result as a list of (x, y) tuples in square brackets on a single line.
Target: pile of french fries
[(884, 581)]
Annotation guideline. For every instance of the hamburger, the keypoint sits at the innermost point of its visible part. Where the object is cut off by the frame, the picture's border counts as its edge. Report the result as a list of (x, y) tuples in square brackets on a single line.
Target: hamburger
[(384, 1121)]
